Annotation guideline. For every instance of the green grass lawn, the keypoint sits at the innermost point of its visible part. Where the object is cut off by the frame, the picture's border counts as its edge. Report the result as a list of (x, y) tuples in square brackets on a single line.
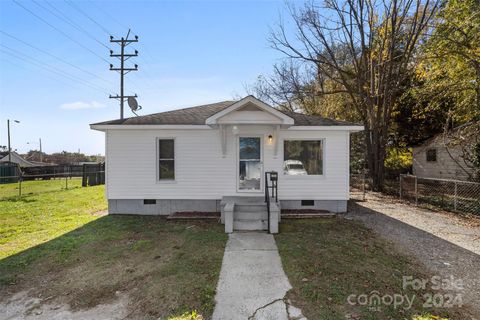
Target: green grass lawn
[(53, 244), (35, 219), (32, 187), (327, 260)]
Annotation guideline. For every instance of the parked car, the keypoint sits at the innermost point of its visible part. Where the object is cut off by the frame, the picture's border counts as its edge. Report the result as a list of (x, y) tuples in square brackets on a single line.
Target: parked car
[(294, 168)]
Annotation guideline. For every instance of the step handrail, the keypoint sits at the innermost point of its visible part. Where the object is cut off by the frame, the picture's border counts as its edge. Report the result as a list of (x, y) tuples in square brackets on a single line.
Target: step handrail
[(273, 177)]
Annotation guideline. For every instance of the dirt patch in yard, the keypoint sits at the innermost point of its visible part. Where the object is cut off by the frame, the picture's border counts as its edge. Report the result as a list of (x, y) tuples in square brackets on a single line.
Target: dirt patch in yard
[(147, 266), (23, 306)]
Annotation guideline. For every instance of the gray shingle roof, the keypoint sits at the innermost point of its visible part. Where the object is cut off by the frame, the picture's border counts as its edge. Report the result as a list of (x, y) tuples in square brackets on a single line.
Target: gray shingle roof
[(197, 116)]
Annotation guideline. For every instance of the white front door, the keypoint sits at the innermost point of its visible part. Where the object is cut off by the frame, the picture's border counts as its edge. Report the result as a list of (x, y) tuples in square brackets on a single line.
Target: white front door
[(250, 165)]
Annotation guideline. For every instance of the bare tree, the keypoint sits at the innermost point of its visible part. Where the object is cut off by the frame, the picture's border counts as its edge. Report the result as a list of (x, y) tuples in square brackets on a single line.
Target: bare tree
[(289, 87), (365, 48)]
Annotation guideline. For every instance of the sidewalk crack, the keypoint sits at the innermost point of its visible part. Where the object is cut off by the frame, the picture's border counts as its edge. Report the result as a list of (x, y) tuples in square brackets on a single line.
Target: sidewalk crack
[(285, 301)]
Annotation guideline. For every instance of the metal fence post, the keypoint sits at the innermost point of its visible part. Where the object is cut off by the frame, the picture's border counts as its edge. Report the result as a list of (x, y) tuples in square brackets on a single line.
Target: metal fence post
[(363, 186), (66, 181), (416, 191), (455, 198), (20, 185), (401, 181)]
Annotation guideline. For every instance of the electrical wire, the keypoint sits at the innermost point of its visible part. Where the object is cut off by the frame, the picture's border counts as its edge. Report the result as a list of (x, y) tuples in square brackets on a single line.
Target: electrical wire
[(60, 31), (56, 57), (87, 16), (19, 55), (63, 17)]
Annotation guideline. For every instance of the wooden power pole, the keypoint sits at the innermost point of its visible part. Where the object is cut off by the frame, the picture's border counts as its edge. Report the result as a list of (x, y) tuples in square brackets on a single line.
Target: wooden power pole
[(123, 42)]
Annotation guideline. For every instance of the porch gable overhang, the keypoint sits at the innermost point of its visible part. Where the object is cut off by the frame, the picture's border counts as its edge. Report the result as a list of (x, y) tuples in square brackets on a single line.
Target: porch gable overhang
[(254, 112)]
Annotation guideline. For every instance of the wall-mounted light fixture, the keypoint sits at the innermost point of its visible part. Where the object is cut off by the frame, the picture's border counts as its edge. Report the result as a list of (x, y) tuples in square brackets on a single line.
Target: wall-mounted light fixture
[(270, 139)]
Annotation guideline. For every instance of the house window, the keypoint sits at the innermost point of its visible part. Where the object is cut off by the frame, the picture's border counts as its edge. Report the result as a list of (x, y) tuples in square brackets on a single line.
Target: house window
[(166, 159), (303, 157), (431, 155)]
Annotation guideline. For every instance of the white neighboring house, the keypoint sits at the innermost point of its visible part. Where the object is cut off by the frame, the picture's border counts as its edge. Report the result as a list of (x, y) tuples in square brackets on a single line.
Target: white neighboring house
[(191, 159), (438, 158)]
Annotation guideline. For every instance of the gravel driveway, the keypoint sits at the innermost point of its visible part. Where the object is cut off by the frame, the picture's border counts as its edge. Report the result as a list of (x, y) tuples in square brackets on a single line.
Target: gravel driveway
[(447, 245)]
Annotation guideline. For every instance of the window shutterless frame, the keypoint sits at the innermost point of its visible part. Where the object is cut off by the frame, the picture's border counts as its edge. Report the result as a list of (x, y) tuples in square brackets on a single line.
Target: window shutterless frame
[(159, 158), (324, 148), (237, 138)]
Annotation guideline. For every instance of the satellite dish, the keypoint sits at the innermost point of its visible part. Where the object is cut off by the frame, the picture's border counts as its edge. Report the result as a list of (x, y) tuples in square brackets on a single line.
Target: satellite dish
[(132, 103)]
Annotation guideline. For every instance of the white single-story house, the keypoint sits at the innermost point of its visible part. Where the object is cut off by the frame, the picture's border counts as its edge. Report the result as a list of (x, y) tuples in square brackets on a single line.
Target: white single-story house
[(214, 158)]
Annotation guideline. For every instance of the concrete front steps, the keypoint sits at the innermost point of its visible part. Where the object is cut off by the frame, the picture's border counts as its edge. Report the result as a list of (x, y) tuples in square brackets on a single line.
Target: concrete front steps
[(248, 213), (250, 217)]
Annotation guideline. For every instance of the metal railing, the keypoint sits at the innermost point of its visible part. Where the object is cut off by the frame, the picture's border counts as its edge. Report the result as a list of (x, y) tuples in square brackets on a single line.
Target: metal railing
[(271, 176)]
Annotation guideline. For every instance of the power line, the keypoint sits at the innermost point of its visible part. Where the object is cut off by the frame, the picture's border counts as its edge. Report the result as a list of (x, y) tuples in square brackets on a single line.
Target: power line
[(55, 57), (19, 55), (47, 74), (112, 18), (88, 17), (64, 18), (49, 69), (60, 31)]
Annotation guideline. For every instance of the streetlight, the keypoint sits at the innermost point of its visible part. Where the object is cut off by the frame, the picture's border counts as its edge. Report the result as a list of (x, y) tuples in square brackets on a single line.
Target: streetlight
[(40, 143), (9, 148)]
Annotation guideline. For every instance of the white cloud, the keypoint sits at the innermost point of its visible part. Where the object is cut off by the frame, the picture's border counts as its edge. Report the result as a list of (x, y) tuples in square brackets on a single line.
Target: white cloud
[(82, 105)]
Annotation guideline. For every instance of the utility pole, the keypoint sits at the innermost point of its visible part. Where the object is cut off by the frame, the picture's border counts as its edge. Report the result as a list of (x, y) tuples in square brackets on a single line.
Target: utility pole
[(41, 154), (40, 144), (123, 42), (8, 132)]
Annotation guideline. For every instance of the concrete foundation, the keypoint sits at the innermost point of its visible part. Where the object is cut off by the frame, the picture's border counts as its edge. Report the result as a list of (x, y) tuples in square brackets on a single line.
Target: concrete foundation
[(337, 206), (162, 206), (168, 206)]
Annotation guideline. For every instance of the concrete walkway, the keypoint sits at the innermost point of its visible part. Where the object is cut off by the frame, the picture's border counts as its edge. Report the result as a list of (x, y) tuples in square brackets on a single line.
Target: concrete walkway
[(252, 282)]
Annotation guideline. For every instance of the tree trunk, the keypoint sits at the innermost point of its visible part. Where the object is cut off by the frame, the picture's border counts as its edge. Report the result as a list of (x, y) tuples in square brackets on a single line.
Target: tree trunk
[(375, 155)]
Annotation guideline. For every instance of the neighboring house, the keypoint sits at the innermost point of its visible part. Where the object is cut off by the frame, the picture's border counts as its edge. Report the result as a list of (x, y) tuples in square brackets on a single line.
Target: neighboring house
[(442, 157), (201, 158), (16, 158)]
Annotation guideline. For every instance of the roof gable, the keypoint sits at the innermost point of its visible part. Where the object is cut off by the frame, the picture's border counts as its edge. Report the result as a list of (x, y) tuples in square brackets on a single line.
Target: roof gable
[(16, 158), (250, 110)]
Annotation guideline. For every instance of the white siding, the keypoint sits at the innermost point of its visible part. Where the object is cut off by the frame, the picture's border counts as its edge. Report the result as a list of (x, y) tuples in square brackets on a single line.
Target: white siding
[(445, 167), (203, 173)]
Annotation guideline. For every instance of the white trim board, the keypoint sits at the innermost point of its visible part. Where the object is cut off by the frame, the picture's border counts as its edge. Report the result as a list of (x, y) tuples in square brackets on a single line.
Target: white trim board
[(104, 127)]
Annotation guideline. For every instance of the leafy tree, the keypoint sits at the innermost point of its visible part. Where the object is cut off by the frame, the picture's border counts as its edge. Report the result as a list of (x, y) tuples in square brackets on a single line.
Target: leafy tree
[(450, 68)]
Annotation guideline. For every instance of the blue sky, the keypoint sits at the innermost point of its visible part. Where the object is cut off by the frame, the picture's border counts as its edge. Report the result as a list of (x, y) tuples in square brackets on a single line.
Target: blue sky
[(190, 53)]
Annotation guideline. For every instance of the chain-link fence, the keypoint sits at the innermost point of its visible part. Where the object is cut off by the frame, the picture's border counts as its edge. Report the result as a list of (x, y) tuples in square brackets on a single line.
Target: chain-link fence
[(451, 195), (360, 185)]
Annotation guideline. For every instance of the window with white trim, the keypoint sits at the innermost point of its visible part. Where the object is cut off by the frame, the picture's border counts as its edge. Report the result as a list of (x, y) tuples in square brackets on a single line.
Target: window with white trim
[(166, 159), (303, 157)]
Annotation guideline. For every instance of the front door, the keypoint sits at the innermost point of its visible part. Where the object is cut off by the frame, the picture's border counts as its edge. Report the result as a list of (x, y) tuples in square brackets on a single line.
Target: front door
[(250, 164)]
